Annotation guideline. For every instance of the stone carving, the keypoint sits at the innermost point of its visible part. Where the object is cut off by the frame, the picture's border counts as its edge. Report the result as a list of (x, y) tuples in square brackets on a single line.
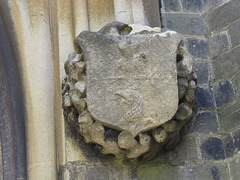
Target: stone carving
[(129, 89)]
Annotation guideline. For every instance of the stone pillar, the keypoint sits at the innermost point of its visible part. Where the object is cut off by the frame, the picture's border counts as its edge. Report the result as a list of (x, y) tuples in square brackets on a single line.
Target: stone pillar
[(138, 12), (44, 31)]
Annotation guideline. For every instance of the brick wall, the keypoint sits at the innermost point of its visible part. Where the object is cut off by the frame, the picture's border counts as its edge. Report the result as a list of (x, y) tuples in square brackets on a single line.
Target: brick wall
[(210, 145)]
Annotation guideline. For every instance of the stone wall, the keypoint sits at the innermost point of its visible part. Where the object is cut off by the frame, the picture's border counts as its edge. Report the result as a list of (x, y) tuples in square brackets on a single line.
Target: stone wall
[(210, 144)]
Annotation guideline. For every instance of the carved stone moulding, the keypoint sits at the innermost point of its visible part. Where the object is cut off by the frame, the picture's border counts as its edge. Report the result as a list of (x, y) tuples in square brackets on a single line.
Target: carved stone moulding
[(129, 89)]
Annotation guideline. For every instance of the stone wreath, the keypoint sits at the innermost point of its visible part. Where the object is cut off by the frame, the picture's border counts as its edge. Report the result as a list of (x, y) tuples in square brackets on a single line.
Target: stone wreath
[(129, 89)]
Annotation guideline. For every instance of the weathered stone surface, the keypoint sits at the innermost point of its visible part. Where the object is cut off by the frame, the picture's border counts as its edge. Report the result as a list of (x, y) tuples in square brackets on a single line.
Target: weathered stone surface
[(192, 24), (187, 150), (219, 43), (235, 166), (234, 33), (126, 140), (140, 148), (184, 112), (227, 64), (229, 116), (115, 91), (202, 71), (159, 135), (171, 5), (192, 5), (131, 79), (198, 48), (203, 172), (213, 149), (206, 122), (170, 126), (223, 93), (85, 123), (204, 97), (222, 15)]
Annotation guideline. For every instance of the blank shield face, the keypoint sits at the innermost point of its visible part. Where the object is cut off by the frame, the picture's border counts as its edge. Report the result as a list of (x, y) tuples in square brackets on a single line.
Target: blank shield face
[(131, 79)]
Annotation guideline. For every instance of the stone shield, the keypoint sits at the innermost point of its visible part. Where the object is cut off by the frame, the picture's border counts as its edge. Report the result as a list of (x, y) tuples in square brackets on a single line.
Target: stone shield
[(131, 79)]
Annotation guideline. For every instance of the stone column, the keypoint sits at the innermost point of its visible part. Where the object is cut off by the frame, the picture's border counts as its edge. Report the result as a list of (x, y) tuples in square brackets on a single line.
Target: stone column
[(44, 31), (144, 12)]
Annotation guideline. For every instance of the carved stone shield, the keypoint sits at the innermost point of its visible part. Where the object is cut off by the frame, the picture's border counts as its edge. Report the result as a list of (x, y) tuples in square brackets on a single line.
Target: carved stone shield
[(131, 79)]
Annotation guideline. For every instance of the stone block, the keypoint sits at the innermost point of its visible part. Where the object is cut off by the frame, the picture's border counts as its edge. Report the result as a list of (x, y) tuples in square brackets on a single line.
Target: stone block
[(229, 116), (203, 172), (234, 168), (191, 24), (236, 139), (119, 172), (222, 15), (198, 48), (223, 93), (237, 83), (163, 172), (219, 43), (192, 5), (208, 4), (213, 149), (234, 33), (170, 5), (227, 64), (86, 171), (186, 150), (205, 122), (204, 98), (201, 69), (229, 146)]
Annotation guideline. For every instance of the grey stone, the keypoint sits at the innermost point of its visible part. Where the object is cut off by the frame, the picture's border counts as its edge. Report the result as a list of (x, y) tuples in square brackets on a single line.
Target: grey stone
[(236, 140), (162, 171), (211, 4), (126, 81), (237, 83), (202, 71), (87, 171), (186, 150), (219, 43), (233, 30), (203, 172), (229, 146), (205, 98), (206, 122), (192, 5), (170, 5), (189, 24), (227, 64), (198, 48), (222, 15), (223, 93), (213, 149), (234, 168), (229, 116)]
